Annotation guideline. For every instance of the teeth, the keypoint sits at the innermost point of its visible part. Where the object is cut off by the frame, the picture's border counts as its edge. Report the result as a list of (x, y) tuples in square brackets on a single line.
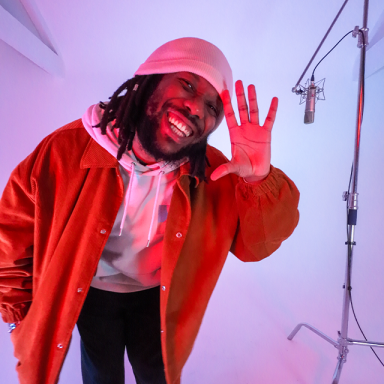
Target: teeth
[(180, 126), (177, 131)]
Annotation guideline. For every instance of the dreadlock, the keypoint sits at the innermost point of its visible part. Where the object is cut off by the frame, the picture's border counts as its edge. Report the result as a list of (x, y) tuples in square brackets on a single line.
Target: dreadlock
[(127, 110)]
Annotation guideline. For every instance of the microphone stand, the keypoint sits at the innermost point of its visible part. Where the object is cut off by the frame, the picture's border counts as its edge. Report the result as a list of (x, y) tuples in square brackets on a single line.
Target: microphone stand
[(343, 340)]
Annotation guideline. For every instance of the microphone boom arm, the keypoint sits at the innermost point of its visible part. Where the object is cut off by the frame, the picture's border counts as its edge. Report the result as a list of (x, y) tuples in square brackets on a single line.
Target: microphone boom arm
[(294, 89)]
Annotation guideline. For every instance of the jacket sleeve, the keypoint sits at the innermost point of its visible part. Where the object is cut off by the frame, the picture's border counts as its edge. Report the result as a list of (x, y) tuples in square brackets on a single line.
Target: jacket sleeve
[(268, 215), (17, 217)]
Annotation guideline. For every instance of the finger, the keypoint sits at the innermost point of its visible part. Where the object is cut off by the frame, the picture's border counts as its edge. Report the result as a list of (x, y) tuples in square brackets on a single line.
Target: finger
[(268, 124), (241, 102), (228, 110), (253, 107), (222, 170)]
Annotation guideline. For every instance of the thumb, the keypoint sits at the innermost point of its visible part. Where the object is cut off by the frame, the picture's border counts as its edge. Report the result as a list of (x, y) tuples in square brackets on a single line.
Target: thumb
[(222, 170)]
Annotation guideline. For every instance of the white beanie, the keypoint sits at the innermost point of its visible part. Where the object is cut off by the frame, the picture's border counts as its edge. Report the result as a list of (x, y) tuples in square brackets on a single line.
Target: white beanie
[(194, 55)]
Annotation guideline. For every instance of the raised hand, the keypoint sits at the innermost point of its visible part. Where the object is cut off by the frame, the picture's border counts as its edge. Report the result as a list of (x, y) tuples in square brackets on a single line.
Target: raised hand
[(250, 142)]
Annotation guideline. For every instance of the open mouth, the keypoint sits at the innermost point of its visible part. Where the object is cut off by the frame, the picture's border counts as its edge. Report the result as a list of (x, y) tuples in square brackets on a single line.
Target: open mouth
[(179, 127)]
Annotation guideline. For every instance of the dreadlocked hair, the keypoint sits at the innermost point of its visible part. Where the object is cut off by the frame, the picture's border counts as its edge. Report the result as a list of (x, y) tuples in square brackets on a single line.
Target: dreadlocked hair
[(125, 110), (197, 164)]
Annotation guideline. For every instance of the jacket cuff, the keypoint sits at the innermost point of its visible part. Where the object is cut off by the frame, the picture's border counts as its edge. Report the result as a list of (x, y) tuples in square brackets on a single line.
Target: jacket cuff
[(15, 313), (270, 184)]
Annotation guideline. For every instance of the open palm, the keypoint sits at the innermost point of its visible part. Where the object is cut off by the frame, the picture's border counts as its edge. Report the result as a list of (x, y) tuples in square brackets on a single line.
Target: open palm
[(250, 142)]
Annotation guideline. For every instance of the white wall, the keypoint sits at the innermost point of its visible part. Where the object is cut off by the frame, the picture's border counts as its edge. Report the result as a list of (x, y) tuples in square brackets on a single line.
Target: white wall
[(255, 306)]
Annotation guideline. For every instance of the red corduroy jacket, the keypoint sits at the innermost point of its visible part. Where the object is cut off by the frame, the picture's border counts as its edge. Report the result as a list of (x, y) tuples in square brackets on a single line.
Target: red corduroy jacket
[(56, 214)]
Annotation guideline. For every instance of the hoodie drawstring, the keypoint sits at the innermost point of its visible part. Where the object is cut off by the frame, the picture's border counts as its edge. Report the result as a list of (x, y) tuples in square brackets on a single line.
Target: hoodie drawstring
[(161, 173), (127, 197)]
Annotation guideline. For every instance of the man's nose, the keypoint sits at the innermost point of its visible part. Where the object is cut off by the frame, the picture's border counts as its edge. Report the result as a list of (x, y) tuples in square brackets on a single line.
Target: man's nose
[(195, 106)]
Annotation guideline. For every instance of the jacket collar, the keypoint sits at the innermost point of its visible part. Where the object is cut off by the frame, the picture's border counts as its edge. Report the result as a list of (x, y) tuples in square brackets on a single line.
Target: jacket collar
[(185, 171), (96, 156)]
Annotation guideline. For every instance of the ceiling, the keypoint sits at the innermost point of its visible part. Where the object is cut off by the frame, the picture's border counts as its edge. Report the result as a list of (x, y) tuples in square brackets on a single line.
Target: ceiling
[(92, 33)]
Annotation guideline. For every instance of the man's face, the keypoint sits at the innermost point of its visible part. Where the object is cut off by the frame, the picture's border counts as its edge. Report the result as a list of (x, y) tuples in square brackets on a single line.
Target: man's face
[(181, 113)]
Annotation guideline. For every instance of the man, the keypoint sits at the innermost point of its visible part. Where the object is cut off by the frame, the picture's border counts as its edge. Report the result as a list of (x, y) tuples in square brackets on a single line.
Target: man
[(121, 222)]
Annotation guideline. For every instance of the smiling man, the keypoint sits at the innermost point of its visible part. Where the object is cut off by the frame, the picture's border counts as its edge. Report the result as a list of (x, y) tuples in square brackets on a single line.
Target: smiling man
[(120, 222), (186, 108)]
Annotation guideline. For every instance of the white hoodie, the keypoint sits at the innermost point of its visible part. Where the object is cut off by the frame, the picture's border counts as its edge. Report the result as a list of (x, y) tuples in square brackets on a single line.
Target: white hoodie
[(131, 259)]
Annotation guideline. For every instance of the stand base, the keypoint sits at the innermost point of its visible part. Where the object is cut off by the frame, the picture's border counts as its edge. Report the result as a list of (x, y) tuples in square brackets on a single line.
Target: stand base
[(341, 344)]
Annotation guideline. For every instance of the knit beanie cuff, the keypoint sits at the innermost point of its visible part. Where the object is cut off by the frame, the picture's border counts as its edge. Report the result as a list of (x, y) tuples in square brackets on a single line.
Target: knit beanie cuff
[(191, 55)]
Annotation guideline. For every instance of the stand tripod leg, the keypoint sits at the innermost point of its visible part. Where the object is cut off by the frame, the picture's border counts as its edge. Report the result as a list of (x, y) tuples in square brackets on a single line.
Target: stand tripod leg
[(342, 358), (315, 330)]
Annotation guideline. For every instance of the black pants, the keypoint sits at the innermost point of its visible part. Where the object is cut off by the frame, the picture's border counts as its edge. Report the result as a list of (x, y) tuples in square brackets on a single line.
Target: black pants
[(111, 322)]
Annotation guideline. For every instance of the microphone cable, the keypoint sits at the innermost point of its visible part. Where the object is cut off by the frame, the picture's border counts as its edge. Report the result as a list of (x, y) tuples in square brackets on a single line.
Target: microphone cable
[(350, 287), (313, 72)]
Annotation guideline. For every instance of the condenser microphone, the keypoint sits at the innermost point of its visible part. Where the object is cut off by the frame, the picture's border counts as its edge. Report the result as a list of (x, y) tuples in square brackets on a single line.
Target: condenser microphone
[(309, 116)]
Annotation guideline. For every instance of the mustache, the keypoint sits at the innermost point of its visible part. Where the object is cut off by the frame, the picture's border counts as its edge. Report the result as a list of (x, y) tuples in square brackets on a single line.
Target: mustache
[(191, 118)]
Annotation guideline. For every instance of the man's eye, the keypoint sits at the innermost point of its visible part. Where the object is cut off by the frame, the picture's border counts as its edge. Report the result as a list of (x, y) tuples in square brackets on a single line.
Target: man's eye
[(213, 108), (187, 84)]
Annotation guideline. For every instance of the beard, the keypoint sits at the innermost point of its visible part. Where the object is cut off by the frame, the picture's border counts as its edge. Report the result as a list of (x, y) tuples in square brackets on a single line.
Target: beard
[(148, 127)]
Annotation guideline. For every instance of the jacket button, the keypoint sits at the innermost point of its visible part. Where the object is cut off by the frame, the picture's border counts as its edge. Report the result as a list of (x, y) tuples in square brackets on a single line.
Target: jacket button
[(163, 287), (161, 331), (103, 231), (179, 234), (60, 346), (79, 290)]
